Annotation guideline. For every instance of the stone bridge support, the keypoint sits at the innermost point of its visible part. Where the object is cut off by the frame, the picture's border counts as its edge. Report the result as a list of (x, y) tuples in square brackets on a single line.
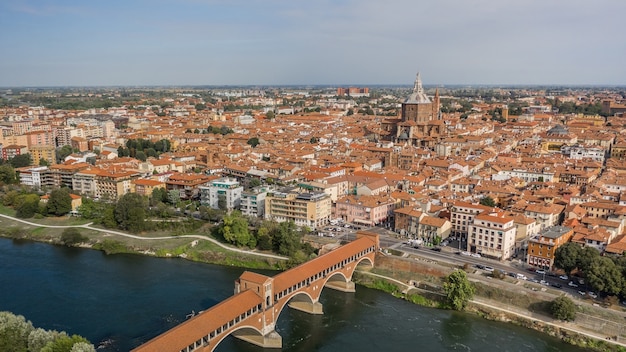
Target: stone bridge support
[(269, 340)]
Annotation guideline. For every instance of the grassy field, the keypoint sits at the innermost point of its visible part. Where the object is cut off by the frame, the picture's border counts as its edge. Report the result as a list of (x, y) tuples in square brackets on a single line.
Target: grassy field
[(193, 249)]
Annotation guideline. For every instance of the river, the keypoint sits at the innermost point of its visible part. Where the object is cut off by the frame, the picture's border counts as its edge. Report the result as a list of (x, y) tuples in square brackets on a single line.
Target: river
[(121, 301)]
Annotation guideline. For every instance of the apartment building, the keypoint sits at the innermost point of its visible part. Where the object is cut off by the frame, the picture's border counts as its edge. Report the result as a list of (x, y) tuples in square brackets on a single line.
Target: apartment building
[(546, 215), (43, 152), (13, 150), (304, 209), (34, 176), (462, 216), (492, 234), (226, 190), (188, 184), (365, 210), (542, 247), (430, 228), (113, 185), (145, 187), (253, 202)]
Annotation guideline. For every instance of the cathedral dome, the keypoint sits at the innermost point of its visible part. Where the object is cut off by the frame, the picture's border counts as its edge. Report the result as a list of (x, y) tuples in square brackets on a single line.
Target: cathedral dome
[(417, 96)]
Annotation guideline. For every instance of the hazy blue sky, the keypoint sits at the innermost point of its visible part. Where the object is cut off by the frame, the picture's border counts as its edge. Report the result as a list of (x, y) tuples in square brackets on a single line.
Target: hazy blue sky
[(177, 42)]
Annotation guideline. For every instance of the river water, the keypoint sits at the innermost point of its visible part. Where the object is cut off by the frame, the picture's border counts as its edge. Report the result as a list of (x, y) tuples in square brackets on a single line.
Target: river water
[(121, 301)]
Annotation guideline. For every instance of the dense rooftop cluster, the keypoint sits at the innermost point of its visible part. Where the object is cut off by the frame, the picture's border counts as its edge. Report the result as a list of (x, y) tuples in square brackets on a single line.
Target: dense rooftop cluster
[(495, 168)]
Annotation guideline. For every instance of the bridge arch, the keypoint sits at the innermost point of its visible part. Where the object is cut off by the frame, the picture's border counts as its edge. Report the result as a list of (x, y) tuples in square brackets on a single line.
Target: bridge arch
[(240, 332), (251, 314)]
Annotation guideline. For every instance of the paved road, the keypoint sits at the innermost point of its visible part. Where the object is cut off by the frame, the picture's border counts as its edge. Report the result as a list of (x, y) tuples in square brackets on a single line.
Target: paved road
[(119, 233)]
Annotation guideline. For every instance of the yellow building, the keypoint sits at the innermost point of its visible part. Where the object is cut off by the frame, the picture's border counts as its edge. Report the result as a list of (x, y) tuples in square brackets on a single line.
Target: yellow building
[(541, 248), (304, 209), (45, 152)]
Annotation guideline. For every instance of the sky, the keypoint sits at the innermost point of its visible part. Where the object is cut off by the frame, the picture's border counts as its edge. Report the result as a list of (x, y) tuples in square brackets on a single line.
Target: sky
[(314, 42)]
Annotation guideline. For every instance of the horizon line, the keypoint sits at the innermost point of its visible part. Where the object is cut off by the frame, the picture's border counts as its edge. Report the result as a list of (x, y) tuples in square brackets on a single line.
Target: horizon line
[(325, 85)]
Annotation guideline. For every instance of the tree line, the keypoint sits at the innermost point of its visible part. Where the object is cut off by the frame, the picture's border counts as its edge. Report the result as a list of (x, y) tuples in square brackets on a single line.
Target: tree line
[(605, 274), (19, 335)]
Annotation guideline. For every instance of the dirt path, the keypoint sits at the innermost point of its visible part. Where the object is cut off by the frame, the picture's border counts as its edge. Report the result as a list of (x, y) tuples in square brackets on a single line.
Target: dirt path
[(119, 233)]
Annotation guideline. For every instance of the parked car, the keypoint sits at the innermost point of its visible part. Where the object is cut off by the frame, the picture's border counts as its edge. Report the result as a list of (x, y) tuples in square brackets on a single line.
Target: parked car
[(564, 277), (489, 269), (475, 255), (557, 285), (592, 294), (572, 284), (540, 272), (582, 293)]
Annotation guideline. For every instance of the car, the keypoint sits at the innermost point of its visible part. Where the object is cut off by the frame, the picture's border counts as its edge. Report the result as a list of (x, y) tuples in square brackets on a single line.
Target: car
[(479, 266), (557, 285), (489, 269), (564, 277), (540, 272), (544, 282), (436, 249), (582, 293), (465, 253), (572, 284), (475, 255), (592, 294)]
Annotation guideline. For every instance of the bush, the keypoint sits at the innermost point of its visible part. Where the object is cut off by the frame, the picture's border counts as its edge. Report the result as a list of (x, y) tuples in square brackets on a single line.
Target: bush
[(111, 247), (72, 236), (563, 308)]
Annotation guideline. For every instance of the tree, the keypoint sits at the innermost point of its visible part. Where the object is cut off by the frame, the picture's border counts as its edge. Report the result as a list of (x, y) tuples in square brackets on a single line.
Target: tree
[(43, 162), (286, 239), (221, 202), (270, 115), (458, 289), (26, 205), (254, 141), (7, 174), (566, 257), (313, 140), (487, 201), (159, 195), (130, 212), (586, 257), (604, 276), (59, 202), (21, 160), (64, 343), (234, 230), (350, 112), (563, 308), (140, 155), (14, 331), (255, 182), (63, 152)]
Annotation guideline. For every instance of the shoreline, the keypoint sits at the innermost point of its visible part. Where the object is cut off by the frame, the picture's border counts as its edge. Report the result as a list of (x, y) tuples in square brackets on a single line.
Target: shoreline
[(480, 307)]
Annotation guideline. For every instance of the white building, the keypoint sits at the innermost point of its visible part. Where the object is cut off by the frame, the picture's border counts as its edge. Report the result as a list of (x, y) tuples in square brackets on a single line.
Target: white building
[(227, 189), (253, 202), (492, 234)]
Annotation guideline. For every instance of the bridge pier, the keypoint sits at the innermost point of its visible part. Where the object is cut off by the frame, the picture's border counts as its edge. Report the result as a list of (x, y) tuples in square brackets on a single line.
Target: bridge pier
[(307, 307), (342, 286), (270, 340)]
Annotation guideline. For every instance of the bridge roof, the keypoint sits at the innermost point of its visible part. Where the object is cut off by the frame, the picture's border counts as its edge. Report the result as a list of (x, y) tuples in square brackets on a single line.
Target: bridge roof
[(202, 324), (291, 277)]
